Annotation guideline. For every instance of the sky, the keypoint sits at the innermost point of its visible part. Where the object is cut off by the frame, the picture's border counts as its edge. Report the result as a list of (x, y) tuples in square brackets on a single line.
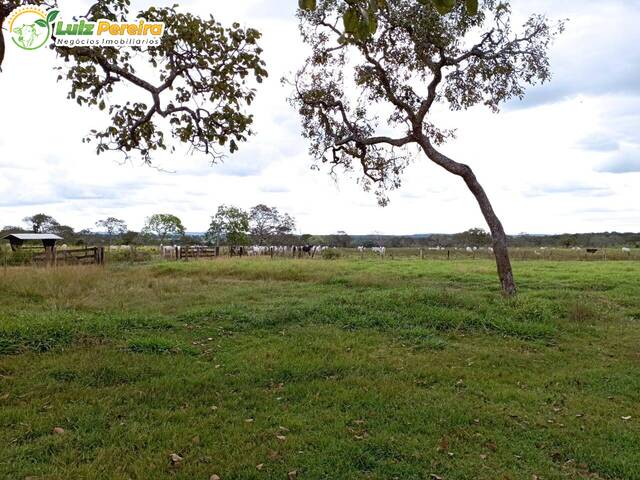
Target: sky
[(565, 159)]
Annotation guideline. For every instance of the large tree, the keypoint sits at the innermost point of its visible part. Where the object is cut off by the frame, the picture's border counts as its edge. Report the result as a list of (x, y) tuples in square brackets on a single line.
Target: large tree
[(112, 226), (231, 225), (196, 83), (366, 102), (41, 223), (164, 226), (268, 224)]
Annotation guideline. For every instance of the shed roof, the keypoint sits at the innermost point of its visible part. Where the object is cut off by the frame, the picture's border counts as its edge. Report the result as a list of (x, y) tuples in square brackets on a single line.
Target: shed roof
[(32, 236)]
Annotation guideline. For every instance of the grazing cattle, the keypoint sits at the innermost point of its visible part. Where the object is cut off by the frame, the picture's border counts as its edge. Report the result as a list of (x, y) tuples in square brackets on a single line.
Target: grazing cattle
[(379, 250), (469, 249), (626, 250), (592, 250), (257, 250), (360, 248)]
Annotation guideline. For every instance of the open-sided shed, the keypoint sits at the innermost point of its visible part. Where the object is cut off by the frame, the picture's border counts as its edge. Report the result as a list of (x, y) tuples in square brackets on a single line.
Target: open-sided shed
[(48, 240), (17, 239)]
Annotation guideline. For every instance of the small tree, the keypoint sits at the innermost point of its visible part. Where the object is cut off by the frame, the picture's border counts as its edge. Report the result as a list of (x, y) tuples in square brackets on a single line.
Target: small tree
[(475, 237), (163, 226), (67, 233), (366, 101), (129, 237), (286, 225), (340, 239), (263, 222), (41, 223), (231, 225), (112, 226)]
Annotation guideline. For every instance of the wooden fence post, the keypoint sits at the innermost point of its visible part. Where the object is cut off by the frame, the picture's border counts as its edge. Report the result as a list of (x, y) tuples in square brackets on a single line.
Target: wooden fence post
[(421, 254)]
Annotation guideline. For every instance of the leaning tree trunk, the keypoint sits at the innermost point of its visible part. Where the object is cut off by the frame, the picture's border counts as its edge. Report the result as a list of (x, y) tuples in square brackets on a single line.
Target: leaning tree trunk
[(495, 226)]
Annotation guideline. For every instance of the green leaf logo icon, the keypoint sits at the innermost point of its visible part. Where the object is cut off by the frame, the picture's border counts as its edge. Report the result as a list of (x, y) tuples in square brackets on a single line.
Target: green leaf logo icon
[(52, 15)]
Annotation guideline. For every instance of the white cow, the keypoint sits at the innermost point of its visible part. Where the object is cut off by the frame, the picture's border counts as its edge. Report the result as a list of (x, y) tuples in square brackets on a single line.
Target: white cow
[(379, 250)]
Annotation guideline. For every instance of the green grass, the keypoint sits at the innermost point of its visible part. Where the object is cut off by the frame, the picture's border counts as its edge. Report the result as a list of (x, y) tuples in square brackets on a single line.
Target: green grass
[(344, 369)]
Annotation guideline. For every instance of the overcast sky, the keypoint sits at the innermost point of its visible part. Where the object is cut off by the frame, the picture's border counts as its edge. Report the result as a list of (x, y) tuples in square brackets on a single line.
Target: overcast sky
[(566, 159)]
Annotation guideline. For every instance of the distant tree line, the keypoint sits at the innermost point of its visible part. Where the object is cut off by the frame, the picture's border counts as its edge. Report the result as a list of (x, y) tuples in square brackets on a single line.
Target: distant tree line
[(264, 225)]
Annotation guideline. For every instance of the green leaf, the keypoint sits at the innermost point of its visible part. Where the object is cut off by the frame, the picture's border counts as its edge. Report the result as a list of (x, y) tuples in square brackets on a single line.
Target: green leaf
[(373, 23), (51, 16), (472, 7), (351, 19), (308, 5), (444, 6), (364, 29), (41, 23)]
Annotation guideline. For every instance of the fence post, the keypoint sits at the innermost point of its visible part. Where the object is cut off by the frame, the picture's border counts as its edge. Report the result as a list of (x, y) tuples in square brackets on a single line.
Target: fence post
[(448, 254), (421, 254)]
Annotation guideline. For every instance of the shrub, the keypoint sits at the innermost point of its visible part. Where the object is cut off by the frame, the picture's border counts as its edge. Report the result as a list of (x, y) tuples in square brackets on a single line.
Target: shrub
[(331, 254)]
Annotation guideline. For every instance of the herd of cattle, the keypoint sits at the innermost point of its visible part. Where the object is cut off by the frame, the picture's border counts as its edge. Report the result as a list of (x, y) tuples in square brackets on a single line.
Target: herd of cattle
[(295, 250), (298, 251), (261, 250), (313, 250)]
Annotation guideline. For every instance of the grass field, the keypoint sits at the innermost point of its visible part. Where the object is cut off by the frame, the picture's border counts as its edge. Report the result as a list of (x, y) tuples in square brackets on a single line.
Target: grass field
[(347, 369)]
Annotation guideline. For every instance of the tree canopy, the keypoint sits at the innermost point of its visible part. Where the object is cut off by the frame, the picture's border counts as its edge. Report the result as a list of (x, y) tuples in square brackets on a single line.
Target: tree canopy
[(196, 84), (41, 223), (231, 225), (164, 226), (112, 226), (360, 17), (268, 224)]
